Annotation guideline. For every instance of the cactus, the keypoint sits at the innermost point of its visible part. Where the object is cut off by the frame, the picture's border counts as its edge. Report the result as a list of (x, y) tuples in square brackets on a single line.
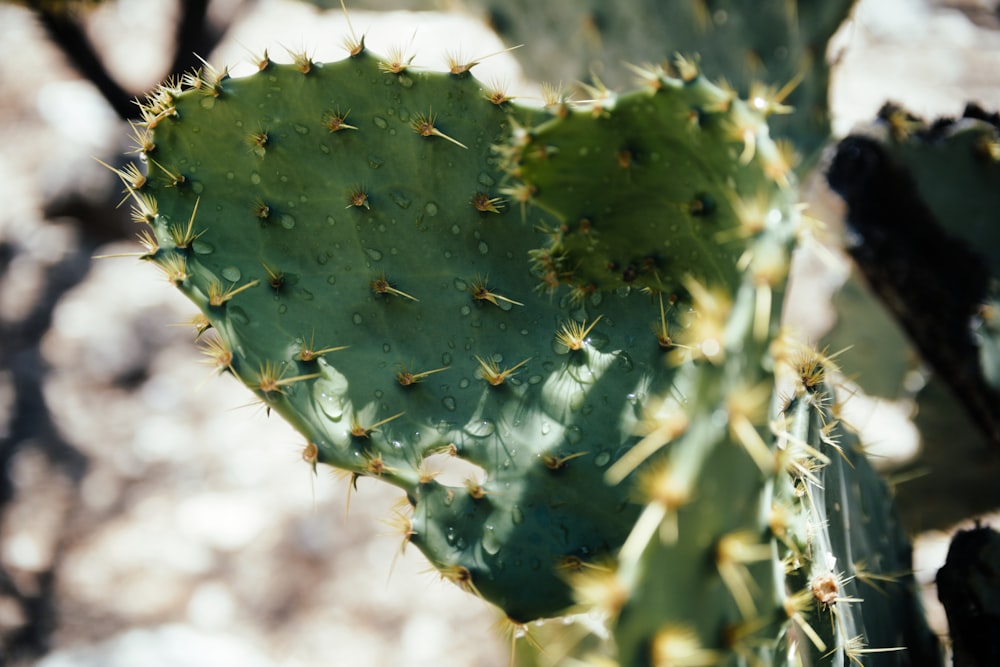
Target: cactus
[(363, 261), (779, 42), (968, 588), (579, 305), (922, 198)]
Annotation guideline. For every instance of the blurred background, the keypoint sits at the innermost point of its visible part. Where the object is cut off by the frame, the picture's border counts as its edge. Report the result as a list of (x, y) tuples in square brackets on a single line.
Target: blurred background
[(149, 514)]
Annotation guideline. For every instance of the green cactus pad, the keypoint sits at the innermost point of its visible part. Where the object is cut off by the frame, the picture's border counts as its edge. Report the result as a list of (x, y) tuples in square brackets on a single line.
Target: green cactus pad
[(353, 234)]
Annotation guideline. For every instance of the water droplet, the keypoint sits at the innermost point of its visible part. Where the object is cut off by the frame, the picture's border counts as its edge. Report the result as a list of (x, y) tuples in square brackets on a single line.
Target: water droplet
[(207, 102), (464, 383), (202, 247), (373, 253), (380, 123), (255, 178), (306, 295), (282, 309), (431, 208), (446, 359), (597, 340), (331, 279), (386, 347), (483, 248), (465, 310), (238, 315), (461, 285), (449, 403), (325, 149), (546, 428), (486, 179), (449, 536), (287, 221), (400, 200), (374, 161), (322, 258), (232, 273), (301, 129), (230, 175), (356, 318), (534, 379), (574, 435), (517, 514), (491, 543), (326, 394), (602, 459), (481, 428), (625, 362), (198, 187), (460, 543), (456, 230)]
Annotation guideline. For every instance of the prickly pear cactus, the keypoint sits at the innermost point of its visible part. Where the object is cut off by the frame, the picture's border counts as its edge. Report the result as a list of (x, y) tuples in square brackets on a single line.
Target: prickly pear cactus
[(756, 44), (363, 242), (922, 199)]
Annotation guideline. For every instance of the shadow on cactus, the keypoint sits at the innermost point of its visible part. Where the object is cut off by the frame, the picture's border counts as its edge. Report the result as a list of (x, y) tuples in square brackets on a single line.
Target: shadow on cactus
[(580, 302)]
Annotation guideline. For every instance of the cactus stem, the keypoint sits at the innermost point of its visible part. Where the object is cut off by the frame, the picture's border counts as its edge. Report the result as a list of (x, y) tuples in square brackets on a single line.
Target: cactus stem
[(424, 126), (491, 372), (573, 335)]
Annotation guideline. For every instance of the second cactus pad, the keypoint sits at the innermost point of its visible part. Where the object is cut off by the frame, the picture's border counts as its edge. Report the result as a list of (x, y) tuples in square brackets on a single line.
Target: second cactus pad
[(353, 234)]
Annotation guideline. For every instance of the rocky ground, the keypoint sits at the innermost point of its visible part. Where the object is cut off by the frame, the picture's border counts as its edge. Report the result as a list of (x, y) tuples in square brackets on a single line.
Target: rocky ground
[(149, 515)]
